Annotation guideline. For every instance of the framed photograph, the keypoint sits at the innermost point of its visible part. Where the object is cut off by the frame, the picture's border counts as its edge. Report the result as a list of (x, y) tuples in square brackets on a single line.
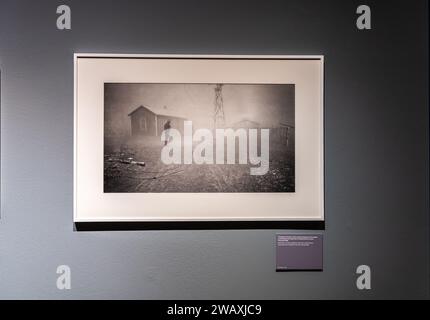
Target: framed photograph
[(198, 138)]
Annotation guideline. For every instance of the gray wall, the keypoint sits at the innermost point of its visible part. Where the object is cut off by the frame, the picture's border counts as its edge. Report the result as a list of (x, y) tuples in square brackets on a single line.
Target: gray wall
[(376, 112)]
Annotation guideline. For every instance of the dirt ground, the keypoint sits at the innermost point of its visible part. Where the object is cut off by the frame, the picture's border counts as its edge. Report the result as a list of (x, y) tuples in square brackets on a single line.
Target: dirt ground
[(124, 172)]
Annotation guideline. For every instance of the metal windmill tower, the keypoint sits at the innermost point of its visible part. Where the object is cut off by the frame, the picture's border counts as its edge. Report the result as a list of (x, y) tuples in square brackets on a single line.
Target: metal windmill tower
[(219, 117)]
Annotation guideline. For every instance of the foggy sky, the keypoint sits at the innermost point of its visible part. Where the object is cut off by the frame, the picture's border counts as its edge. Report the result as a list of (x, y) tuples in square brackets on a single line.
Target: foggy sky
[(266, 104)]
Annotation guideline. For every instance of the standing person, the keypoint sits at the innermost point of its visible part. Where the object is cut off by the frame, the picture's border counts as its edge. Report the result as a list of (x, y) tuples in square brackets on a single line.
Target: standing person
[(167, 127)]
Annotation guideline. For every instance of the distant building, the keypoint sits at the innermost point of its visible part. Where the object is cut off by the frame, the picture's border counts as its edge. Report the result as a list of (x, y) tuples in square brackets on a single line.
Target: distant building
[(146, 122), (286, 133), (282, 134)]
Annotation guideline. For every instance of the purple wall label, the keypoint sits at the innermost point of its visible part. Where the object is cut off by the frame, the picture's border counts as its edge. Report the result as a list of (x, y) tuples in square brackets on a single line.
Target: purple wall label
[(299, 252)]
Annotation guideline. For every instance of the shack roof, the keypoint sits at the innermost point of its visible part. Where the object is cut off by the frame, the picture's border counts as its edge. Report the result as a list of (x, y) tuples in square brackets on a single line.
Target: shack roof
[(155, 111)]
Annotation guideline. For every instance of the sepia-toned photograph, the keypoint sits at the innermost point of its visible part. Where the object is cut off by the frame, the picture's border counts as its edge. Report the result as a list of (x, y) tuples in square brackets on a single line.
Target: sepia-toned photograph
[(161, 137)]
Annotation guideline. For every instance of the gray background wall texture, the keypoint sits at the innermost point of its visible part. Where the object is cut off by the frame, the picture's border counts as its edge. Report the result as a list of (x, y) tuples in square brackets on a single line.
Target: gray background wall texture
[(376, 146)]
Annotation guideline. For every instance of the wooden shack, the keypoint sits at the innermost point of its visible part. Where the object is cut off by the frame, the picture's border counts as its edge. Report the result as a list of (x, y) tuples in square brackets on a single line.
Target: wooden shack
[(146, 122)]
